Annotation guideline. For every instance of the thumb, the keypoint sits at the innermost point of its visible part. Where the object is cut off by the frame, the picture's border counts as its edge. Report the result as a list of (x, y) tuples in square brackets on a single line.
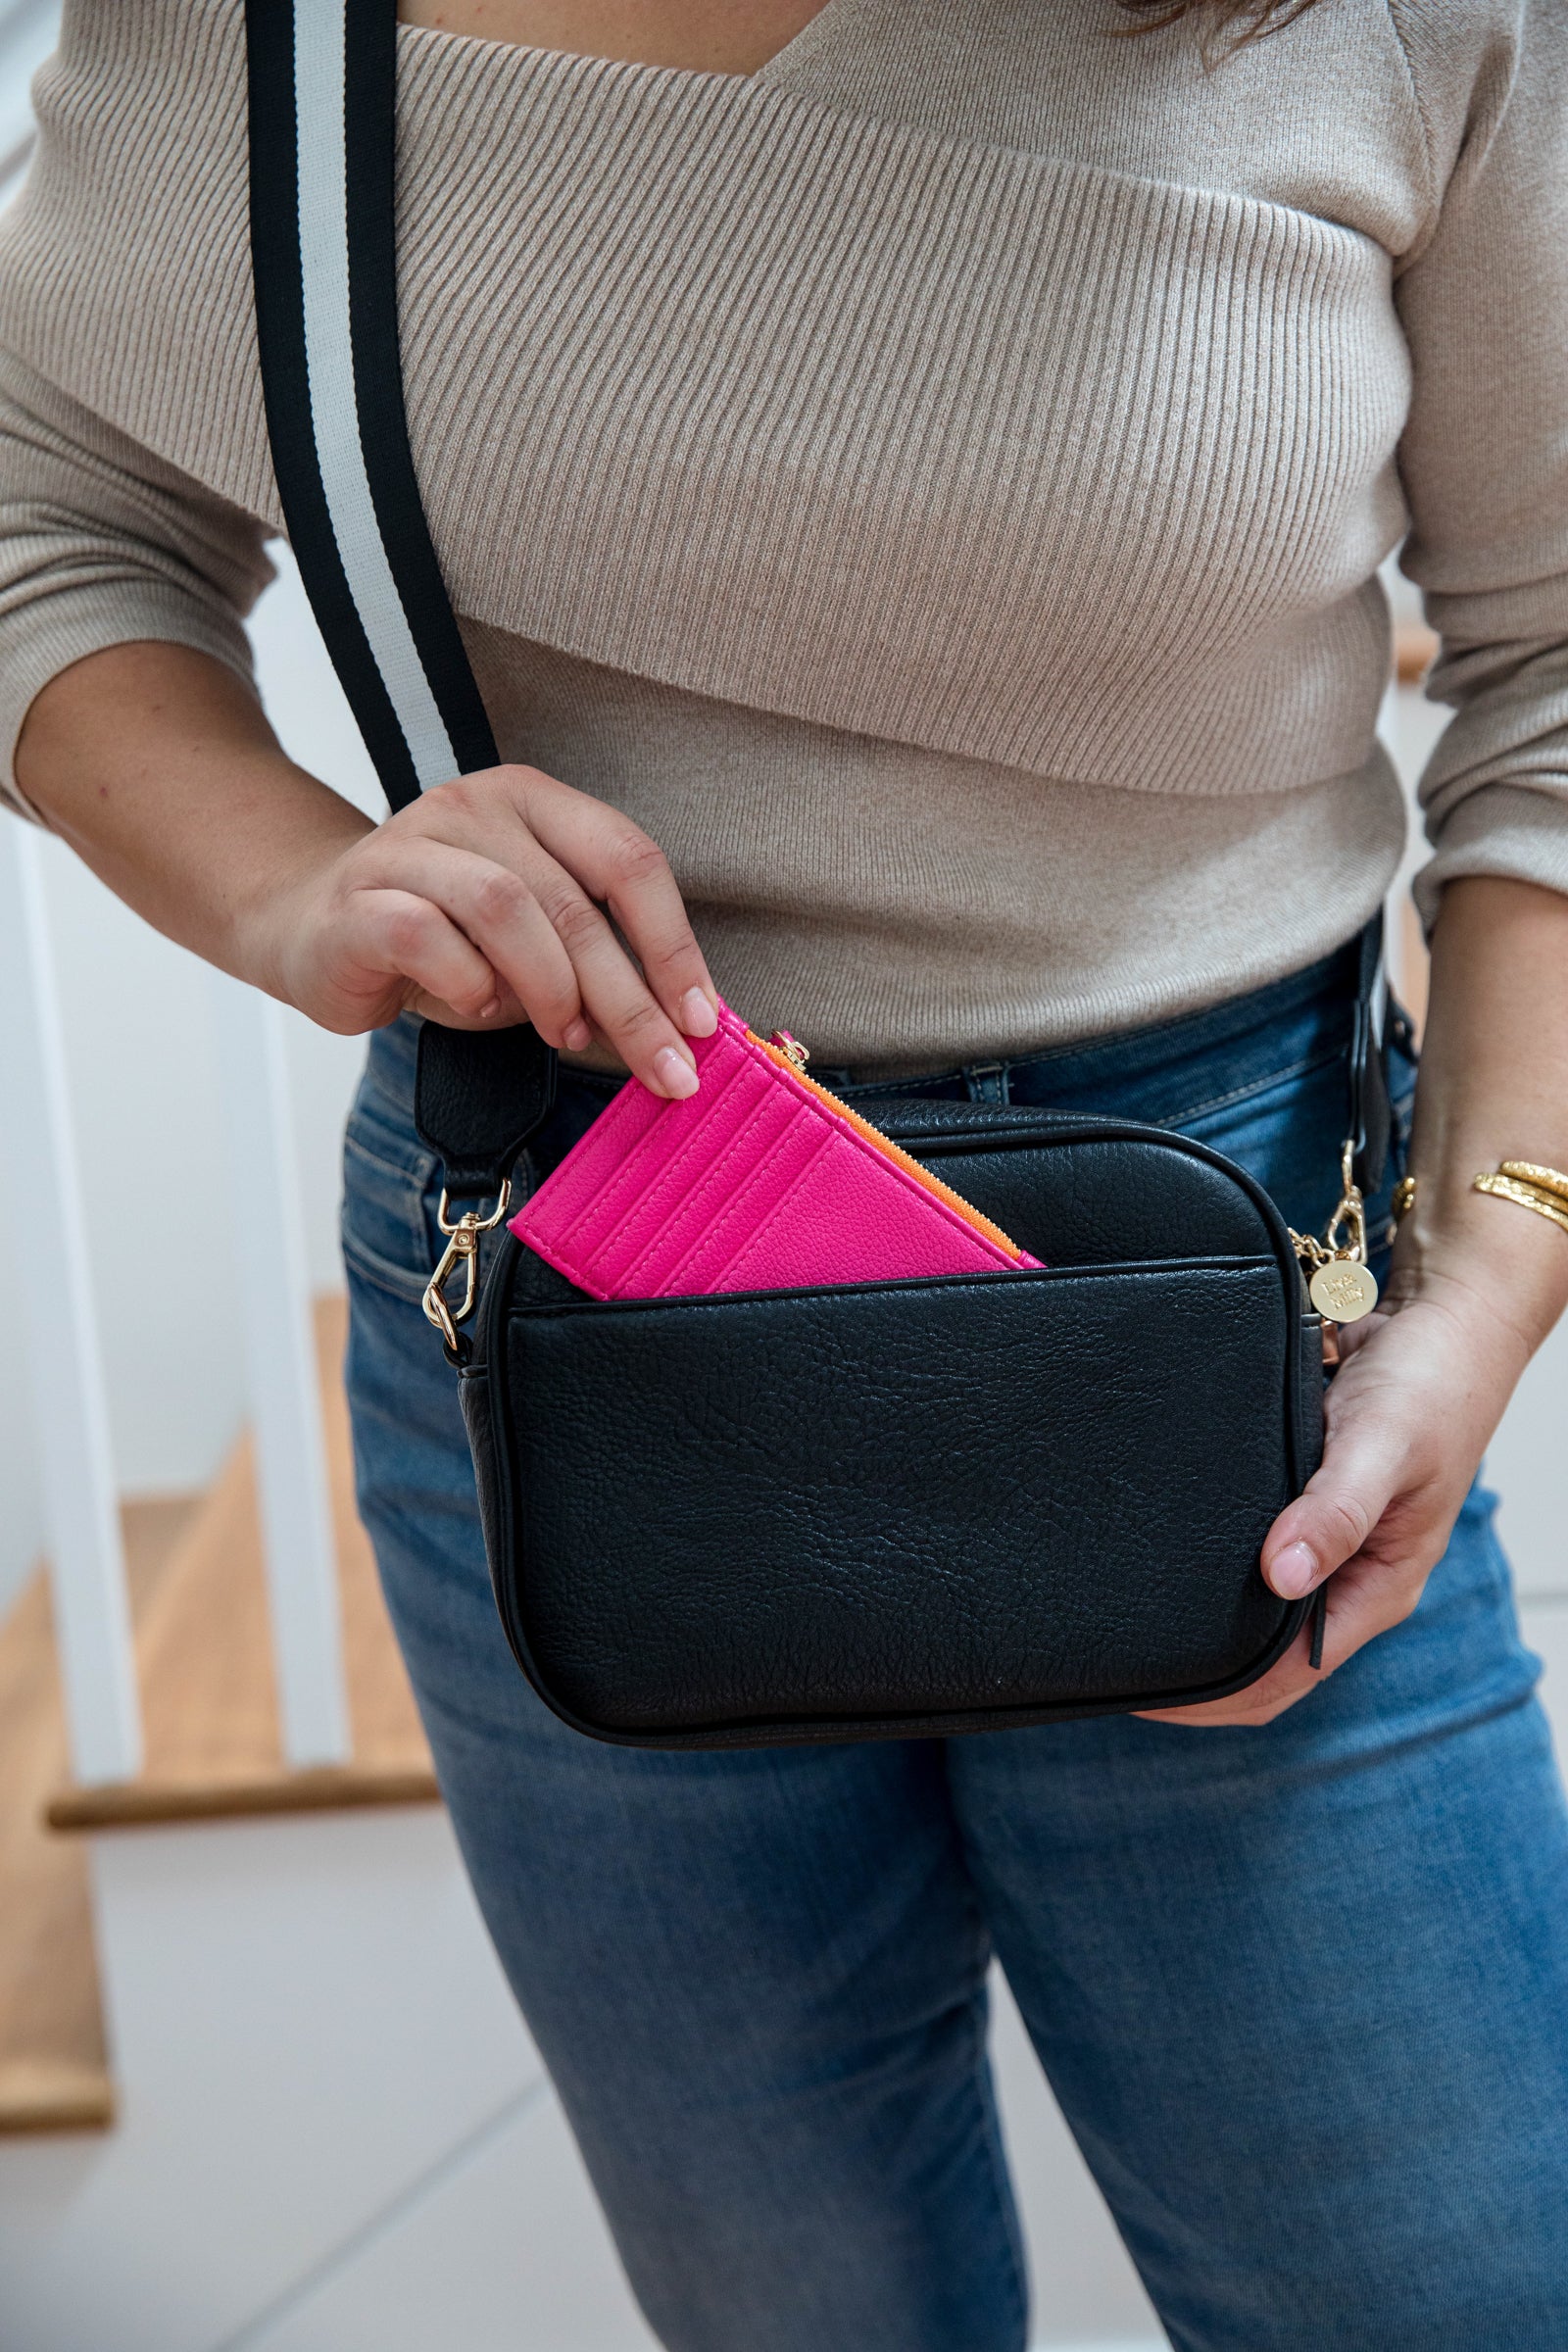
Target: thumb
[(1331, 1517)]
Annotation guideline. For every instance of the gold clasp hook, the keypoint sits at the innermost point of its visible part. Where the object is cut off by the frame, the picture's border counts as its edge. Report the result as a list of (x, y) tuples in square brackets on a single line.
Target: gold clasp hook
[(461, 1250), (1342, 1285), (1351, 1212)]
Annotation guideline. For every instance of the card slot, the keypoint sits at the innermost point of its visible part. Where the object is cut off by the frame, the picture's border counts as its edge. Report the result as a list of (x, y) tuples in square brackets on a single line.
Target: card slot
[(589, 1193), (625, 1127), (739, 1231), (724, 1185), (616, 1251), (710, 1139)]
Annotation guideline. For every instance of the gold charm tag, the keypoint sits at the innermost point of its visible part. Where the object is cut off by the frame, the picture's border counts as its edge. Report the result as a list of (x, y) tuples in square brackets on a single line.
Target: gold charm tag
[(1344, 1292), (1340, 1285)]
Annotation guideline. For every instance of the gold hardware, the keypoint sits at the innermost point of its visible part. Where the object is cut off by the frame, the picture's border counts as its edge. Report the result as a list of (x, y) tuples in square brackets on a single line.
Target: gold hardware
[(1403, 1201), (1352, 1211), (461, 1250), (791, 1047), (1525, 1181), (1342, 1285), (1544, 1179), (1344, 1292)]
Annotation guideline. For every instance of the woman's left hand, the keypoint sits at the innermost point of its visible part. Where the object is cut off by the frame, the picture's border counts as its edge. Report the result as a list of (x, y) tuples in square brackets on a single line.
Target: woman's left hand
[(1475, 1285), (1408, 1417)]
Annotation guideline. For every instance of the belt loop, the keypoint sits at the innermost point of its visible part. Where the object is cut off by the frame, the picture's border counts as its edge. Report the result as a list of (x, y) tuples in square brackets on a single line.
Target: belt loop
[(989, 1081)]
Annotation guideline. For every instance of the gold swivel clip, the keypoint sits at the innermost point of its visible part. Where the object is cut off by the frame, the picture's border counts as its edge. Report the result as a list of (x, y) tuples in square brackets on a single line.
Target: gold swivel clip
[(461, 1250)]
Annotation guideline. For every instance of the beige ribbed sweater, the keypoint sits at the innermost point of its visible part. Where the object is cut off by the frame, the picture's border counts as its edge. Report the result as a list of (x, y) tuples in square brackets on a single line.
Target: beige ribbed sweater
[(936, 486)]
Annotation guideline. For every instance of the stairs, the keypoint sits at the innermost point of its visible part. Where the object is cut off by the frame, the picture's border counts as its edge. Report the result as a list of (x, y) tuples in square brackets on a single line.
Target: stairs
[(213, 1750)]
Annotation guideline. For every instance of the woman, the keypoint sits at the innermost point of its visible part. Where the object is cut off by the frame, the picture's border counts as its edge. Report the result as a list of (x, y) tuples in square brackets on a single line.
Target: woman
[(912, 475)]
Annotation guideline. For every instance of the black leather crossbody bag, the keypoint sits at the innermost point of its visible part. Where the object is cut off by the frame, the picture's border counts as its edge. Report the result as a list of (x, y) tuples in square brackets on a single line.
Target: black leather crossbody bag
[(866, 1511)]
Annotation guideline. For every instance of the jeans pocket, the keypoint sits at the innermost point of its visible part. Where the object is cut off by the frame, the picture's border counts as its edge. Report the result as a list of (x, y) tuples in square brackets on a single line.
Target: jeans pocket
[(1287, 1133)]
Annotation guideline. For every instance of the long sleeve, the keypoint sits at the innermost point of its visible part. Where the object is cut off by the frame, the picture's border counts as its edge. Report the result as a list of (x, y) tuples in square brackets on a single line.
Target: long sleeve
[(102, 543), (1484, 456)]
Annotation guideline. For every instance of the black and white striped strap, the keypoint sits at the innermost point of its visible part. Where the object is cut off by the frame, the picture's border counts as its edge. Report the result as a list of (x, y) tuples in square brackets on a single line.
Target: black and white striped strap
[(323, 249), (324, 254)]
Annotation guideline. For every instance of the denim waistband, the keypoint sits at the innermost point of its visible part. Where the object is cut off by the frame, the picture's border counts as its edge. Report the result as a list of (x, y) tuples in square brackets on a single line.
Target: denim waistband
[(1169, 1073), (1256, 1037)]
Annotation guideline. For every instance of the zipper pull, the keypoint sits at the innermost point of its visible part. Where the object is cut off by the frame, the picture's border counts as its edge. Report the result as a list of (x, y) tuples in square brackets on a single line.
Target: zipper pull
[(791, 1047)]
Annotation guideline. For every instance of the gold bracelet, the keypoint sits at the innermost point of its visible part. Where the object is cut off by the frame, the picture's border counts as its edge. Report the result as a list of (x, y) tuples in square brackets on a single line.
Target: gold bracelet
[(1525, 1181), (1544, 1179)]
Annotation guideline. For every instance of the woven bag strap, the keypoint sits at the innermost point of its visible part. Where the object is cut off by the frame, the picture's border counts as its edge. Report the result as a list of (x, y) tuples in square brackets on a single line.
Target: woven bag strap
[(322, 97)]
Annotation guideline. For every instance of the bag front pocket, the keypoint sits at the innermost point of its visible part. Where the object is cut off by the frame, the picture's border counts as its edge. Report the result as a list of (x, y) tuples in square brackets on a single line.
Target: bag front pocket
[(917, 1505)]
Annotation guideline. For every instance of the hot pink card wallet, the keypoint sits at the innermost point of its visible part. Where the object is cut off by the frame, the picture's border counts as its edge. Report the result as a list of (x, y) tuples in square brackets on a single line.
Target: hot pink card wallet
[(760, 1181)]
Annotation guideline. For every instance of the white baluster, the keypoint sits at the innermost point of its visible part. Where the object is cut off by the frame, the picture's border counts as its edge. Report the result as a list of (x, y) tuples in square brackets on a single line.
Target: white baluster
[(48, 1210), (286, 1401)]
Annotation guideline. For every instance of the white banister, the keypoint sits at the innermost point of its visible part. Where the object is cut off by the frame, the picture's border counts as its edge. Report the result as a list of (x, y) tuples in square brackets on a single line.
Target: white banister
[(48, 1212), (284, 1394)]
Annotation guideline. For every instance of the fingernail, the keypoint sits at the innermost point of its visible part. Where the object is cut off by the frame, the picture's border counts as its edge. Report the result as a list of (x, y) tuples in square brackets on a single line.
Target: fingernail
[(674, 1073), (697, 1015), (578, 1037), (489, 1008), (1295, 1572)]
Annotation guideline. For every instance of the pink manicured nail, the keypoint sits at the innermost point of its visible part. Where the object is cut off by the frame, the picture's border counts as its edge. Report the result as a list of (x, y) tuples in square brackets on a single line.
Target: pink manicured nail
[(578, 1037), (697, 1015), (674, 1073), (489, 1008), (1295, 1572)]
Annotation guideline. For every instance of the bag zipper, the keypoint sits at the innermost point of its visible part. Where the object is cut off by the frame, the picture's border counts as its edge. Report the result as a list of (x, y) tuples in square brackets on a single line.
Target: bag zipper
[(789, 1055)]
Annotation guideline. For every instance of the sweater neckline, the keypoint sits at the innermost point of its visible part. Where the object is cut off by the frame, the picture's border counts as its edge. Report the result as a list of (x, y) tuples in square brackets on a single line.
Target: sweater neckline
[(573, 58)]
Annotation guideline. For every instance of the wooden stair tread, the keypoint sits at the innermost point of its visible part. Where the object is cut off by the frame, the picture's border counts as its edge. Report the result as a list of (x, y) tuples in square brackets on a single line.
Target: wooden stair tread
[(228, 1794), (54, 2068), (1415, 649), (212, 1745), (43, 2095)]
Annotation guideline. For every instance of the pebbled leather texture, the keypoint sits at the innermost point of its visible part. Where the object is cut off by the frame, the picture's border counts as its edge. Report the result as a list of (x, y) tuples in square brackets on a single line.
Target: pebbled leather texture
[(914, 1507), (756, 1182), (1077, 1192), (479, 1095)]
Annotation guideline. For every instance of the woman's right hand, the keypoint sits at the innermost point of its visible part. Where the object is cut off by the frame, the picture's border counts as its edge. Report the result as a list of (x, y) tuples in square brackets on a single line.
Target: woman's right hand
[(490, 900)]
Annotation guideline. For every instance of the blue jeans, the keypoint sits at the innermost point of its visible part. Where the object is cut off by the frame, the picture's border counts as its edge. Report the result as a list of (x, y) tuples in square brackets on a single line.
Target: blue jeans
[(1301, 1990)]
